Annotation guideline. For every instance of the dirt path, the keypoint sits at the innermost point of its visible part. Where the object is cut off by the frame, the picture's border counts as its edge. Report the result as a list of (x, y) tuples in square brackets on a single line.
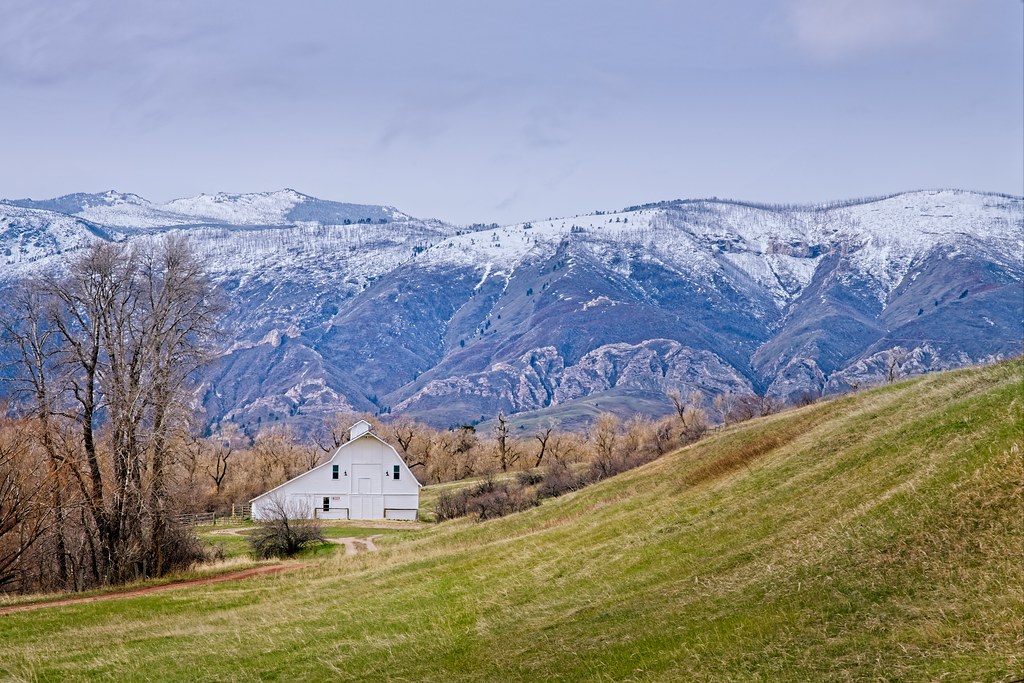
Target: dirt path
[(191, 583), (352, 543)]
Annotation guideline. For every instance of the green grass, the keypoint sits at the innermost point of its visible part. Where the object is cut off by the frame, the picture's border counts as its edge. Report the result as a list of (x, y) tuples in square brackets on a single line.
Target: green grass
[(231, 545), (355, 529), (877, 537), (233, 541)]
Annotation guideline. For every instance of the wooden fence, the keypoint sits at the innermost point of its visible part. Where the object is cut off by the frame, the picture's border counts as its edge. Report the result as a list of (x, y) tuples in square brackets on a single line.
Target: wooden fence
[(237, 513)]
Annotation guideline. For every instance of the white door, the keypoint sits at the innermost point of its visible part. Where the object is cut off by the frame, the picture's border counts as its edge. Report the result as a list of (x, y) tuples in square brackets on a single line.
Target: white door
[(368, 489)]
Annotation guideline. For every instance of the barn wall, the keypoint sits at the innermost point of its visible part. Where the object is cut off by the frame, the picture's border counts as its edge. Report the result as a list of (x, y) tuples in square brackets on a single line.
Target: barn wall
[(365, 487)]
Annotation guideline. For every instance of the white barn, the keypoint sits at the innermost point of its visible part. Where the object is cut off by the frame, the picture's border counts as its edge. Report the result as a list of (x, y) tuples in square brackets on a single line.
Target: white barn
[(364, 479)]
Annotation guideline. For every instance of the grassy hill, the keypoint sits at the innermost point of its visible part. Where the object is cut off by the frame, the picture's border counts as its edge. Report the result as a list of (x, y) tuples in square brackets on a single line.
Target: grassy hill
[(876, 537)]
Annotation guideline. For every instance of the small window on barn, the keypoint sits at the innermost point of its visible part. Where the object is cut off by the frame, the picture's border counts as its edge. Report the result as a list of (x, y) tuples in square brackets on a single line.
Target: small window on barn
[(398, 470), (334, 471), (327, 503)]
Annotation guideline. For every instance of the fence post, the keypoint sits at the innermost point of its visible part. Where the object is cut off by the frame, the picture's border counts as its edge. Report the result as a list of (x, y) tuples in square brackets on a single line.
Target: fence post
[(232, 510)]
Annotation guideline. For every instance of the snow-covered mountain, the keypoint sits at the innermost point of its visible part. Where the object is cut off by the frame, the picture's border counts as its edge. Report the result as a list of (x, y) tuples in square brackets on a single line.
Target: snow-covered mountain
[(30, 238), (285, 207), (343, 306)]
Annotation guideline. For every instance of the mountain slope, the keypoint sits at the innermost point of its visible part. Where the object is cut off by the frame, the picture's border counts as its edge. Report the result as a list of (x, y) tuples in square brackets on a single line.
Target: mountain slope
[(874, 537), (31, 239), (452, 325), (718, 296)]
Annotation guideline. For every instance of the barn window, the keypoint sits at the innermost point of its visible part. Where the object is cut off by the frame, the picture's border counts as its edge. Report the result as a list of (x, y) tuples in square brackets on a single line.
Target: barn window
[(334, 471), (398, 470), (327, 503)]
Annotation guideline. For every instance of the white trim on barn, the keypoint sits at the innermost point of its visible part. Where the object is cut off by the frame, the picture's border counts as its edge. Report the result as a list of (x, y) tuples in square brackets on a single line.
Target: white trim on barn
[(364, 479)]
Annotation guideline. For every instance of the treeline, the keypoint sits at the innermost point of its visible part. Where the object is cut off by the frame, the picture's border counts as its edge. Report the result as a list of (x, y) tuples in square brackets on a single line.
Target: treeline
[(51, 533)]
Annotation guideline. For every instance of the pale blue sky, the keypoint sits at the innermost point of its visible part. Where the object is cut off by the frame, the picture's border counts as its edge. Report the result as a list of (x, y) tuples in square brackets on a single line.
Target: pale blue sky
[(482, 111)]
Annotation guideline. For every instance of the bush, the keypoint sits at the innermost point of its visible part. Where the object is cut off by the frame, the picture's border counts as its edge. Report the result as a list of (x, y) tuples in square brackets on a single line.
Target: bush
[(486, 500), (558, 480), (484, 487), (529, 478), (181, 549), (450, 505), (285, 533), (500, 501)]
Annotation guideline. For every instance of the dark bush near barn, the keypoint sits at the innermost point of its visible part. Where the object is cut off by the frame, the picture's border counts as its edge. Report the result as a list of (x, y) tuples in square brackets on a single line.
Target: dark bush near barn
[(285, 533), (501, 500), (450, 504)]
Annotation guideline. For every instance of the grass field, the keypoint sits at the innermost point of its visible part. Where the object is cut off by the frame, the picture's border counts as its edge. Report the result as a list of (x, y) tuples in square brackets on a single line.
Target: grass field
[(878, 537), (234, 540)]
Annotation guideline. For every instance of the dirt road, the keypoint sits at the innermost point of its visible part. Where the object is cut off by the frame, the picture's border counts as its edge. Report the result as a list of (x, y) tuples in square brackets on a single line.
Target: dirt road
[(190, 583)]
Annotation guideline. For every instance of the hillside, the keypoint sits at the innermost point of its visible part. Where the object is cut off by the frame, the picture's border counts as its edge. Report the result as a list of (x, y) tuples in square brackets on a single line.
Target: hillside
[(873, 537), (352, 307)]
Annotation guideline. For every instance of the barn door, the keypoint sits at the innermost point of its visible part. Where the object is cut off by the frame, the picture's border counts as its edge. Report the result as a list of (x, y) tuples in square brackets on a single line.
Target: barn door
[(368, 491)]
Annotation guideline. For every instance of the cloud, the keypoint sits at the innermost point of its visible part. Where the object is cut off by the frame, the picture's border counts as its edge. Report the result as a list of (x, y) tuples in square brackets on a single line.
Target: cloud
[(544, 128), (510, 200), (45, 44), (841, 29)]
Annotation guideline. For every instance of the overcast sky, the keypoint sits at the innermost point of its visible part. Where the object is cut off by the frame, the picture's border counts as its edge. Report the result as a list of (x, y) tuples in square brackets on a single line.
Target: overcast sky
[(471, 110)]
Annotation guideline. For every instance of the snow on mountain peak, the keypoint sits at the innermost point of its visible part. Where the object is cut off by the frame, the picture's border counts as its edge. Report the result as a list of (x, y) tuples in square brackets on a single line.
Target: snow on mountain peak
[(114, 197), (777, 247), (277, 208), (263, 208)]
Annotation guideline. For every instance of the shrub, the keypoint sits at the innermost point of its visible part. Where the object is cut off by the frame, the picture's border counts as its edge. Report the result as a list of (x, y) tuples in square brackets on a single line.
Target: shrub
[(500, 501), (529, 478), (284, 533), (450, 505), (486, 486), (558, 480), (181, 549)]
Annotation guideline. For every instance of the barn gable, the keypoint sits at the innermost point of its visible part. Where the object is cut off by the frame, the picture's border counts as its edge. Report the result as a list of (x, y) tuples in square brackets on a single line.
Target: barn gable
[(364, 479)]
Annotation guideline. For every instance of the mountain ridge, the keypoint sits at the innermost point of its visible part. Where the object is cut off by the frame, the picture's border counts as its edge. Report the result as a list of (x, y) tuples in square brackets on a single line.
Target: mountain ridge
[(390, 313)]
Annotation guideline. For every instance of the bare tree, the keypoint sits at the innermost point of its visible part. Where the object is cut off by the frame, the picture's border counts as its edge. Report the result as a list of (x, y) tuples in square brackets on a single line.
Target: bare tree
[(506, 446), (565, 448), (190, 458), (543, 436), (663, 437), (604, 435), (334, 432), (25, 513), (636, 435), (282, 455), (456, 453), (112, 345), (693, 421), (403, 431), (25, 329), (742, 408), (218, 450), (894, 364)]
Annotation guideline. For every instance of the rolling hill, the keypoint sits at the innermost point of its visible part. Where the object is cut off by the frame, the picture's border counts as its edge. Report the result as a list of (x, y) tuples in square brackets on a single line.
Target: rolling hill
[(877, 536)]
